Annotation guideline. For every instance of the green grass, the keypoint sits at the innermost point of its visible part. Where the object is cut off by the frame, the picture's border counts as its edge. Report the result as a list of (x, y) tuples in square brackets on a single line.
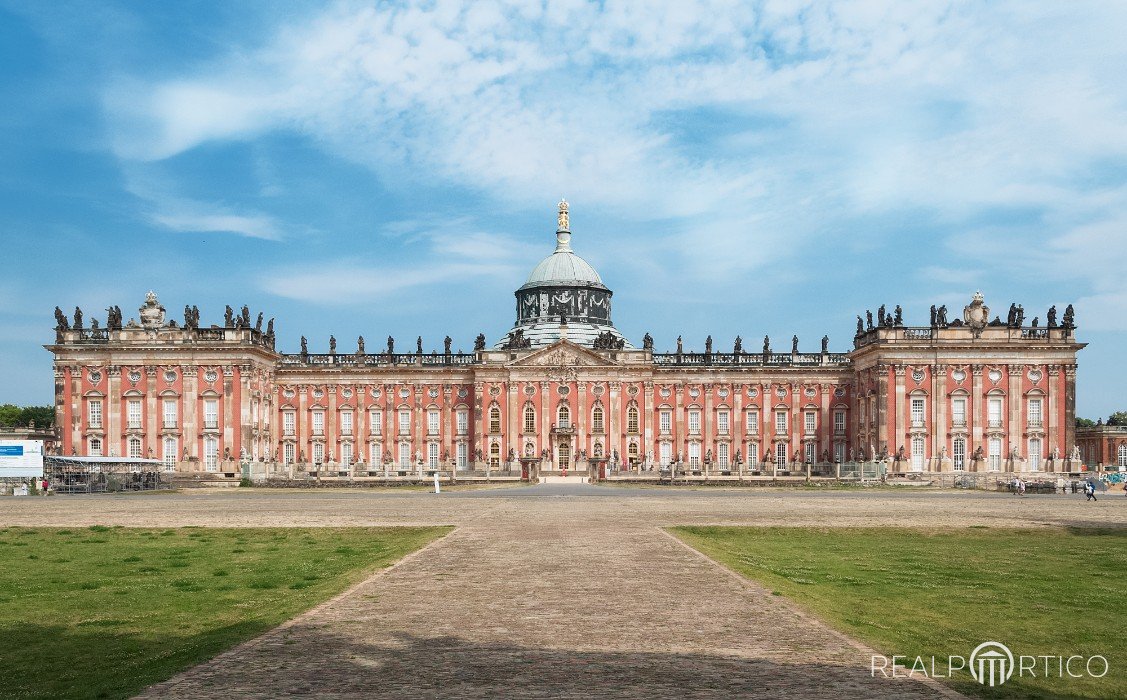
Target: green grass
[(103, 612), (941, 592)]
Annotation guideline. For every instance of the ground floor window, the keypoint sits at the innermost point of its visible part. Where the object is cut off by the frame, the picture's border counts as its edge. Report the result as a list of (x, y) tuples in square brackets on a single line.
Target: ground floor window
[(463, 454), (495, 456), (722, 455), (211, 453), (959, 454), (1122, 454), (288, 453), (753, 456), (918, 457), (781, 455), (346, 454), (665, 452), (564, 455), (404, 454), (694, 455), (375, 454), (95, 447), (839, 452), (811, 455), (432, 455), (994, 459), (632, 454), (171, 450), (1035, 454), (318, 454)]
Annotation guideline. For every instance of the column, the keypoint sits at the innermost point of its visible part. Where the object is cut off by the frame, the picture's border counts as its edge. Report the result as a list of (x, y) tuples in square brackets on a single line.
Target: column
[(1054, 441), (882, 410), (614, 421), (939, 411), (901, 428), (976, 406), (1015, 424), (545, 420), (152, 439)]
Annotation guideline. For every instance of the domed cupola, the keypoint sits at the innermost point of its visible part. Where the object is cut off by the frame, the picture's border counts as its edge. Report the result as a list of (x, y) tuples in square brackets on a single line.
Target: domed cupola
[(564, 288)]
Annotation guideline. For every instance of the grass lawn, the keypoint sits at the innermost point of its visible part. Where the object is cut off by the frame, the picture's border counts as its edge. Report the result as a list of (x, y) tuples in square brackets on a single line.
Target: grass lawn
[(102, 612), (943, 592)]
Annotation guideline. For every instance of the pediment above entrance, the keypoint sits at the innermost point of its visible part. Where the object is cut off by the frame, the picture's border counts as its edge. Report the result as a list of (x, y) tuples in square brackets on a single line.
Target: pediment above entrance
[(563, 353)]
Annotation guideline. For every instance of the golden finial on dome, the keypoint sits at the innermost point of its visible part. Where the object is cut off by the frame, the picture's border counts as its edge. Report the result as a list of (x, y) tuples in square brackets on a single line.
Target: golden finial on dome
[(563, 220)]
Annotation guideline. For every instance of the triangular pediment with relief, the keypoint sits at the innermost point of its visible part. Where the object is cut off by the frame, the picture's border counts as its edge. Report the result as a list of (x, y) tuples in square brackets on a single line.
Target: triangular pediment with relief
[(563, 353)]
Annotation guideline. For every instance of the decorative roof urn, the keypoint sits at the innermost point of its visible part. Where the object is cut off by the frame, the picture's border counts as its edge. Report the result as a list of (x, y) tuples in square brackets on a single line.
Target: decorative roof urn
[(152, 313)]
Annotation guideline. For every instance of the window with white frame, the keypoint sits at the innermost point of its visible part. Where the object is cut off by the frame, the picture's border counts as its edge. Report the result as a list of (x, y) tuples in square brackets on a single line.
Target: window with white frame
[(211, 413), (751, 422), (404, 454), (432, 455), (632, 454), (918, 457), (318, 422), (723, 422), (1034, 411), (839, 452), (134, 444), (318, 454), (463, 453), (289, 422), (462, 421), (665, 421), (722, 455), (994, 413), (494, 420), (346, 454), (781, 454), (810, 422), (959, 454), (170, 453), (694, 422), (694, 455), (133, 414), (288, 453), (375, 454), (959, 412), (632, 420), (211, 453), (529, 419), (597, 424), (94, 413), (375, 422), (839, 422), (95, 449), (170, 413), (811, 453), (432, 422), (917, 412), (753, 456), (563, 416), (665, 453), (1035, 454), (495, 455), (346, 422), (994, 454), (563, 456), (405, 421), (781, 422), (1121, 457)]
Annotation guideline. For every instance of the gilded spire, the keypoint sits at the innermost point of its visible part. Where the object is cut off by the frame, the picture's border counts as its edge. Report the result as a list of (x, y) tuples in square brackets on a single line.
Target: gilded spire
[(563, 221), (563, 231)]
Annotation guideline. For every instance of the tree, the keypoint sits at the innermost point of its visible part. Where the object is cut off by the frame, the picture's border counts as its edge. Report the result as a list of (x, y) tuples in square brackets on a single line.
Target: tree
[(1085, 423), (1117, 418), (9, 414)]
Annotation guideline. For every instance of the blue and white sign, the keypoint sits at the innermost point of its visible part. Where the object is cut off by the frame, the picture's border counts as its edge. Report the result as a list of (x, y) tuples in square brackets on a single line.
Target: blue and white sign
[(21, 458)]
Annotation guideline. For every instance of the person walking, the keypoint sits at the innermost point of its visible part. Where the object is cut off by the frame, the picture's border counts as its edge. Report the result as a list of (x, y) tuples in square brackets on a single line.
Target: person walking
[(1020, 486), (1090, 491)]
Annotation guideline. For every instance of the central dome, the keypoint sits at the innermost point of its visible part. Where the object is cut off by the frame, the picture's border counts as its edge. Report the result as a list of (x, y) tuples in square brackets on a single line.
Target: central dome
[(563, 266)]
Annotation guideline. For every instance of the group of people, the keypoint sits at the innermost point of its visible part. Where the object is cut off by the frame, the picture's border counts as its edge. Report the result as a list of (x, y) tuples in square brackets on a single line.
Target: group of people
[(1089, 488)]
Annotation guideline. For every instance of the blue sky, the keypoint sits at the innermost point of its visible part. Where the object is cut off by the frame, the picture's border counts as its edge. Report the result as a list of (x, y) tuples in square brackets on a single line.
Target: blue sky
[(733, 167)]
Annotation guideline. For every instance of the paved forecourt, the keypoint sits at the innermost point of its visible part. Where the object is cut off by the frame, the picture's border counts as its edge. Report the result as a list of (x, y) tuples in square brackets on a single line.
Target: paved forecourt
[(554, 591)]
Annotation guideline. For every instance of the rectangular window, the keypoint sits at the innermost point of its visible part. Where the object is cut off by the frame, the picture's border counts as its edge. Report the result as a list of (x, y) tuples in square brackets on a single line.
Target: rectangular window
[(170, 413), (1034, 413), (839, 452), (694, 422), (917, 413), (722, 422), (94, 413), (751, 421), (375, 422), (134, 448), (994, 413), (694, 455), (959, 413), (1035, 454), (95, 447), (432, 423), (597, 424), (529, 420), (346, 422), (665, 422), (375, 455), (463, 421), (722, 455), (781, 423), (405, 422), (632, 420), (810, 422), (432, 455), (994, 459), (404, 454), (811, 454), (346, 454), (463, 455), (171, 454), (289, 420), (211, 414), (211, 453), (666, 452), (839, 422), (918, 456), (318, 422), (288, 453), (318, 454), (753, 456), (959, 454), (781, 454), (133, 413)]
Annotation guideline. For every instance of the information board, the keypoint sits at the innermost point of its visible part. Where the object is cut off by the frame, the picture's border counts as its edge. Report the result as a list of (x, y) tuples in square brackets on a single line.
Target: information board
[(21, 458)]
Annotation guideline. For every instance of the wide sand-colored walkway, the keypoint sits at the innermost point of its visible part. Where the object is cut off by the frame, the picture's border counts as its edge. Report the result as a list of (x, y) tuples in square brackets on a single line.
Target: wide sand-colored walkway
[(555, 592)]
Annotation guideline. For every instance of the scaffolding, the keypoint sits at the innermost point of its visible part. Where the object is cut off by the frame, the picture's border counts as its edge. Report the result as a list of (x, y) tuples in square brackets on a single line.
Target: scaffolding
[(104, 474)]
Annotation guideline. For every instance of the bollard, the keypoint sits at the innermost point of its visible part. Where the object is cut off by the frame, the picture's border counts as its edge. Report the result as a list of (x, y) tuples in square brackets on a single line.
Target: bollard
[(436, 487)]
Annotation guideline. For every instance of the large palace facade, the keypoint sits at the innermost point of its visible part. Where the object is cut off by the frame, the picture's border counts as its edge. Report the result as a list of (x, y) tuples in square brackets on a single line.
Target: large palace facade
[(564, 390)]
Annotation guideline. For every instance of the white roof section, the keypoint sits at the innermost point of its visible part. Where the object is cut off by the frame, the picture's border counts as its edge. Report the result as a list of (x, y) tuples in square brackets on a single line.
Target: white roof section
[(563, 266), (548, 333)]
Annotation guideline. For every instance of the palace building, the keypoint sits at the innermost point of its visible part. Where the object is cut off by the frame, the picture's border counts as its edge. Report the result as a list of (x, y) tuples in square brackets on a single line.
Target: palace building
[(564, 390)]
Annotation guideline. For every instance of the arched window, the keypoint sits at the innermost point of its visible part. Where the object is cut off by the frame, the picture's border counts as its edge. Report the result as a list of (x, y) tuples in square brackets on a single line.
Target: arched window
[(632, 453), (495, 455), (597, 419), (563, 416), (529, 419), (632, 420), (494, 419), (564, 456)]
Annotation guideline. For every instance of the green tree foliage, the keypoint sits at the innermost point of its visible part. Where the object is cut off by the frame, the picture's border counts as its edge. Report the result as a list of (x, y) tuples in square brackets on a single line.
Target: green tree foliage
[(1117, 418), (1085, 423), (11, 414)]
